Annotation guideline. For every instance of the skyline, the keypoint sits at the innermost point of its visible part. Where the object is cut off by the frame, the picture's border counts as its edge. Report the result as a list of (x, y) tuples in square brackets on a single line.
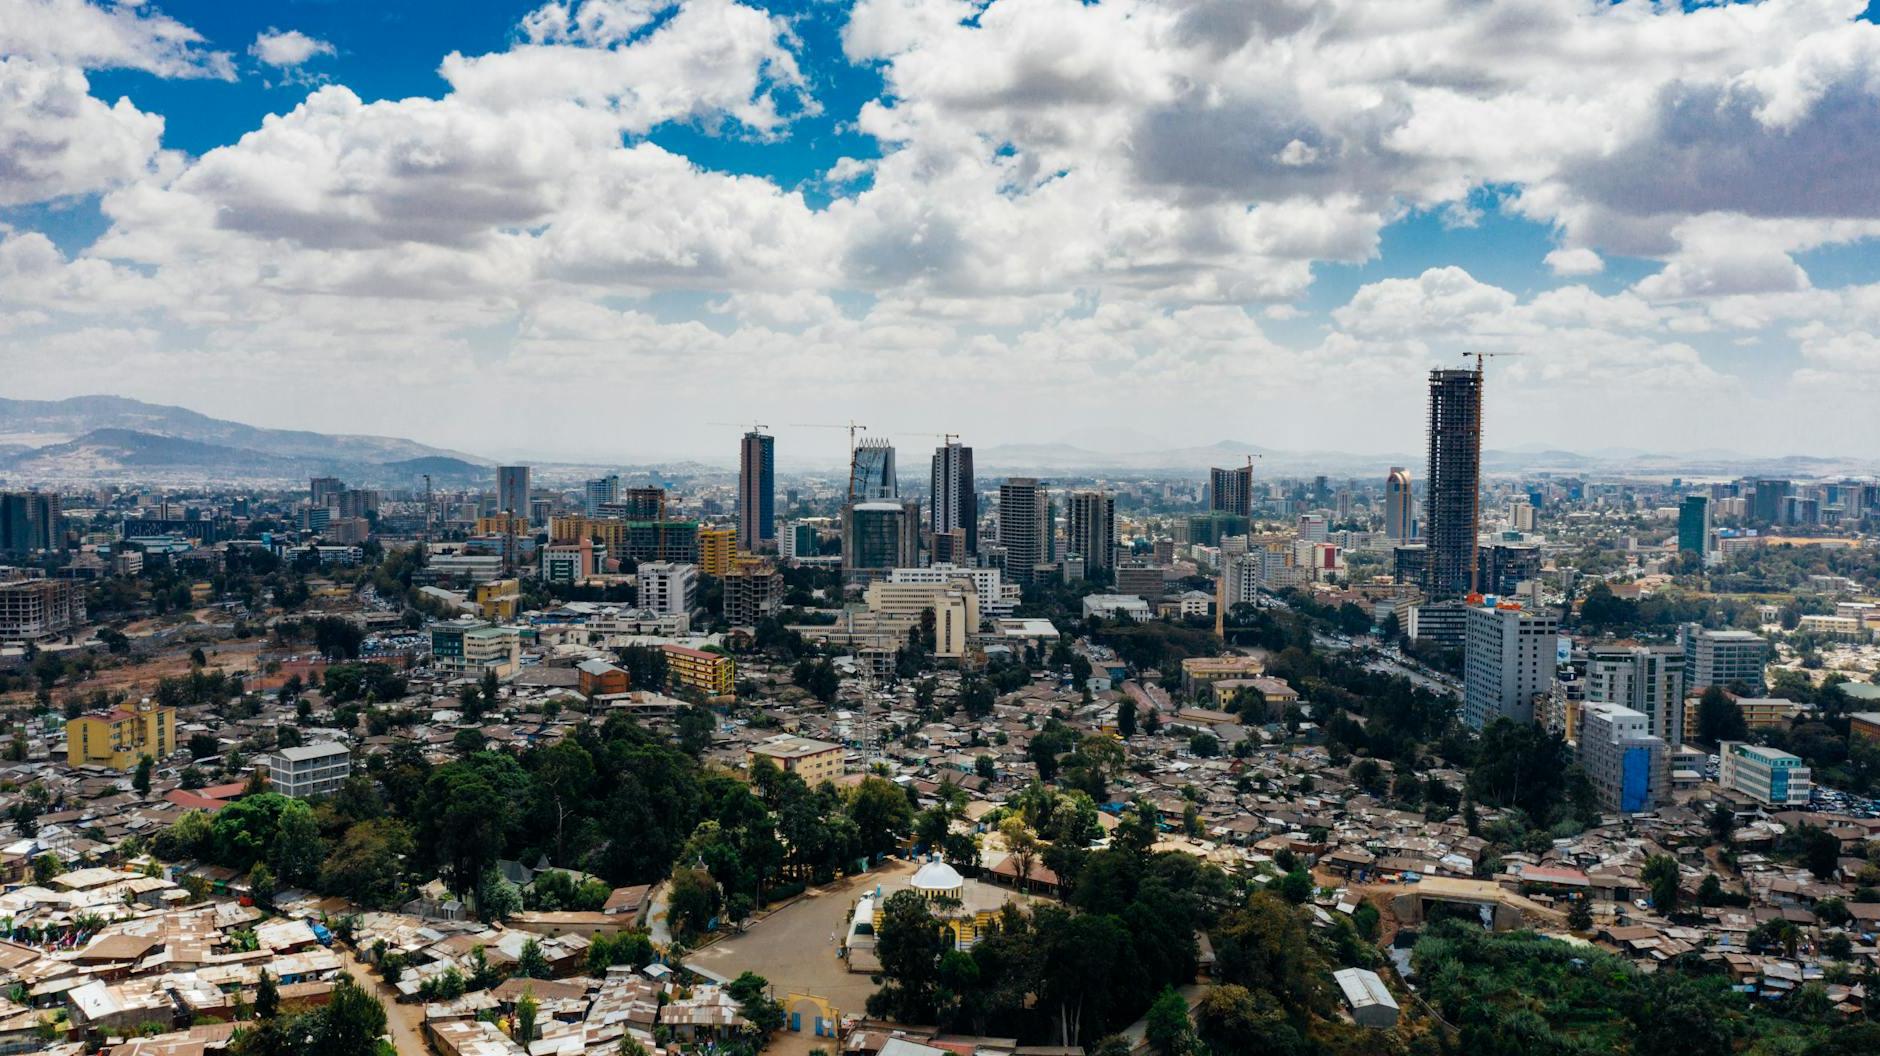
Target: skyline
[(1273, 219)]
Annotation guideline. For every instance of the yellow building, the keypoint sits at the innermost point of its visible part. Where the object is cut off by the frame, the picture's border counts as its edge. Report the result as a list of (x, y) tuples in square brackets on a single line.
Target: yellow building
[(813, 761), (1199, 671), (499, 599), (708, 673), (121, 737), (502, 524), (717, 550)]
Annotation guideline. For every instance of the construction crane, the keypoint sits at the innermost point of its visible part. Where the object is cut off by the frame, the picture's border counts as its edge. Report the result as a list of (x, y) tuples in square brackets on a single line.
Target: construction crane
[(756, 427), (1479, 356), (853, 427), (429, 508)]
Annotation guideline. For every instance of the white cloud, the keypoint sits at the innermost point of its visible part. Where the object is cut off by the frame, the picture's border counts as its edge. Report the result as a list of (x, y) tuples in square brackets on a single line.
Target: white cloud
[(126, 35), (1575, 261), (286, 49)]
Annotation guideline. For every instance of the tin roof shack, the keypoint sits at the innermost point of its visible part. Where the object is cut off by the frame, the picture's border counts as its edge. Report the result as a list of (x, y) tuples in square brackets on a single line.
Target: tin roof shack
[(1370, 1001)]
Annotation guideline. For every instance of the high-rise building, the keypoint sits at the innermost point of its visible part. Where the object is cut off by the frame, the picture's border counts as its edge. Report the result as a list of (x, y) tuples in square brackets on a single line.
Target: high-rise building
[(669, 588), (321, 491), (1502, 567), (1508, 659), (1722, 658), (1646, 679), (717, 550), (1313, 528), (599, 492), (1399, 508), (753, 592), (638, 504), (1452, 494), (757, 493), (954, 497), (1767, 505), (1092, 529), (512, 490), (871, 472), (1626, 763), (877, 538), (1024, 527), (31, 520), (1231, 490), (1694, 524)]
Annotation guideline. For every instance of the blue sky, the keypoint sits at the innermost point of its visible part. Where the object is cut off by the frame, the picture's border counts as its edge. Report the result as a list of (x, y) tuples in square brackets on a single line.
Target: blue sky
[(1008, 219)]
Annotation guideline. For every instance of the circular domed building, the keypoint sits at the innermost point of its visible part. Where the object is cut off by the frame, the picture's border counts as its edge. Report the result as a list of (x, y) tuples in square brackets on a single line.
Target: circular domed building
[(937, 880)]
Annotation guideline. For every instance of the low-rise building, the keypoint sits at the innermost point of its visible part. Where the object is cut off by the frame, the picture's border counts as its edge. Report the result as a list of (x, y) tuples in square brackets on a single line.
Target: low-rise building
[(308, 770), (1112, 606), (468, 648), (712, 674), (812, 760), (1767, 775), (120, 738)]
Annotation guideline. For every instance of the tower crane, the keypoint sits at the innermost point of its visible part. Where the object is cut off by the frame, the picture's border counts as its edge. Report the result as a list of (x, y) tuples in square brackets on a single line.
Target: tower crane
[(853, 427)]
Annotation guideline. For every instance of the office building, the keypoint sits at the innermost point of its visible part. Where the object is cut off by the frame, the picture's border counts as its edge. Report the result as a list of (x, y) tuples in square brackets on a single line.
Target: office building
[(32, 609), (799, 540), (1694, 525), (308, 770), (711, 674), (954, 604), (997, 598), (468, 648), (1092, 530), (1727, 658), (669, 588), (1313, 528), (599, 492), (512, 490), (1399, 506), (1508, 657), (1771, 777), (1231, 491), (753, 591), (323, 491), (1208, 529), (1767, 504), (1024, 527), (717, 550), (1647, 679), (955, 501), (1628, 766), (464, 568), (31, 521), (877, 538), (1501, 568), (871, 472), (757, 493), (1452, 493), (569, 563), (120, 738), (1147, 582), (813, 761)]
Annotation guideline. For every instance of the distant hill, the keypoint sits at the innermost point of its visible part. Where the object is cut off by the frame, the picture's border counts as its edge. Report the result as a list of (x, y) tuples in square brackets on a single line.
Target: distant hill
[(442, 468), (39, 423)]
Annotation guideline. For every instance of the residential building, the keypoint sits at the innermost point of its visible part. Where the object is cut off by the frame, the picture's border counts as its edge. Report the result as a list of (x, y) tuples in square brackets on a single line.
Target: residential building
[(1399, 506), (717, 550), (1231, 490), (324, 491), (997, 598), (599, 492), (36, 608), (1024, 527), (669, 588), (1767, 775), (468, 648), (877, 538), (1722, 658), (1312, 528), (308, 770), (1092, 529), (757, 493), (498, 600), (1509, 654), (753, 591), (1759, 713), (1200, 672), (120, 738), (954, 501), (712, 674), (512, 490), (813, 761), (871, 472), (1452, 496), (31, 521), (570, 562), (1647, 679), (1627, 764), (1838, 628), (1694, 525)]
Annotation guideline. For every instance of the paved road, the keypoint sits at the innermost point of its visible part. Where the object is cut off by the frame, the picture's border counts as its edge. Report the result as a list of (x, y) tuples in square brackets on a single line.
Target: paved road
[(405, 1023)]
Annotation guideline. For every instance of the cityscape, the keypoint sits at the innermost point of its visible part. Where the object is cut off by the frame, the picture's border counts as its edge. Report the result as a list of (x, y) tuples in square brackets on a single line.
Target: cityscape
[(511, 546)]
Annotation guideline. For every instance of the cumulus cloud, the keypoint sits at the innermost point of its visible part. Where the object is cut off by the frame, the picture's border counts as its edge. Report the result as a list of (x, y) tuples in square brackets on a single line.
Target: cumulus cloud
[(97, 36), (287, 49)]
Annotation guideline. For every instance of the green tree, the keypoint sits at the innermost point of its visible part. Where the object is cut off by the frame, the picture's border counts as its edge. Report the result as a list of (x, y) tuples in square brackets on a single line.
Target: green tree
[(1661, 875), (531, 963), (1126, 718), (141, 780), (267, 997), (298, 849), (1168, 1030), (526, 1008), (1718, 717)]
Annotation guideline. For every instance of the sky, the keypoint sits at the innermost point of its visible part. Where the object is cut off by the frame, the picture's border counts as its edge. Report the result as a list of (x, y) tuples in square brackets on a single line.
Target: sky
[(615, 229)]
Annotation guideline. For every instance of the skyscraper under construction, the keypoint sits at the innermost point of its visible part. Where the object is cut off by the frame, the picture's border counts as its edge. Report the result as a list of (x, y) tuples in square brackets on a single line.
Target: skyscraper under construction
[(1453, 490)]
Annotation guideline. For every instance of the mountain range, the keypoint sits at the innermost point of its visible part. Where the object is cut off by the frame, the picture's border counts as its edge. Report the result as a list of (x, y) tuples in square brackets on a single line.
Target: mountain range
[(91, 438)]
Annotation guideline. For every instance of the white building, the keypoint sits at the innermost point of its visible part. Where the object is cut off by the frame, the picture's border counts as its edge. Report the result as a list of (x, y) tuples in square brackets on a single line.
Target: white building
[(1722, 658), (472, 568), (997, 599), (1647, 679), (1312, 527), (669, 588), (308, 769), (1768, 776), (1509, 654), (1114, 605), (1627, 764)]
